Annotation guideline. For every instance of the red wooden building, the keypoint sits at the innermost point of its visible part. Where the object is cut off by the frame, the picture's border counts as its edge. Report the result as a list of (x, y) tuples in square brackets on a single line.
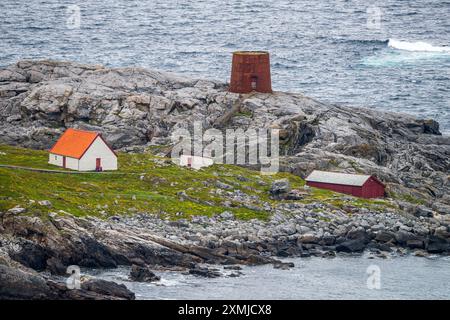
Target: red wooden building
[(364, 186)]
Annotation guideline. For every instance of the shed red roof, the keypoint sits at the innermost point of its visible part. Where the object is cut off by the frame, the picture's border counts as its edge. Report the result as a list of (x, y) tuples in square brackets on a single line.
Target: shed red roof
[(74, 143)]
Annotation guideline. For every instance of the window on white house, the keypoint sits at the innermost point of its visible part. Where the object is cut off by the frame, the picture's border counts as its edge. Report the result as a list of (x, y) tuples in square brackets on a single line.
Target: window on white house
[(56, 157)]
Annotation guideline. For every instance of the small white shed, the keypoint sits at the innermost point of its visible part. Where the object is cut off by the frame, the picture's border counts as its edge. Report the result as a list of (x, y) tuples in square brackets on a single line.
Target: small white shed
[(195, 162), (83, 151)]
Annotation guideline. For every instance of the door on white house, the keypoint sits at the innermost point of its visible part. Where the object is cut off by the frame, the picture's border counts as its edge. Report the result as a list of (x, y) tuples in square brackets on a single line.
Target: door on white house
[(98, 164)]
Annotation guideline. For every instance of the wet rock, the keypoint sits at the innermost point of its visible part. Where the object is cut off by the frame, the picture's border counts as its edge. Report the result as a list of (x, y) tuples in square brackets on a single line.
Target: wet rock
[(232, 267), (204, 272), (380, 246), (350, 246), (437, 245), (415, 244), (108, 288), (16, 283), (283, 265), (420, 253), (142, 274)]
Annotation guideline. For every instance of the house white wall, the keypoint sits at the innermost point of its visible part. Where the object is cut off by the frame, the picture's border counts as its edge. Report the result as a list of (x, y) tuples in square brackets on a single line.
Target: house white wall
[(72, 163), (196, 161), (98, 149), (57, 160)]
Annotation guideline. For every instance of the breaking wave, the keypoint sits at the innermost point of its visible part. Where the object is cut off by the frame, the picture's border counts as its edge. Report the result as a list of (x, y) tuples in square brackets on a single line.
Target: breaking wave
[(419, 46)]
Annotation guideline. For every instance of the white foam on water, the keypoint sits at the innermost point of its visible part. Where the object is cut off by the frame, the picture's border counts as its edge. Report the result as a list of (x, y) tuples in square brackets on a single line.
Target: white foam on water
[(416, 46)]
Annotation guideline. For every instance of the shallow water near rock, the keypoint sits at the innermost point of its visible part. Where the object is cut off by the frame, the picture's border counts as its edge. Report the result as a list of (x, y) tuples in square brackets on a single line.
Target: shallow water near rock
[(407, 277), (326, 49)]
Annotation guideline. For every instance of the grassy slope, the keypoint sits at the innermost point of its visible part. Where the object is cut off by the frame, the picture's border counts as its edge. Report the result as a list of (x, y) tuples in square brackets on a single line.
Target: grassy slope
[(143, 183)]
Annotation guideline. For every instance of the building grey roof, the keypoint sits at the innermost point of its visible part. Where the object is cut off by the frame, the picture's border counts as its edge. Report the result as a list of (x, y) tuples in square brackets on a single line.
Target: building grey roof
[(337, 178)]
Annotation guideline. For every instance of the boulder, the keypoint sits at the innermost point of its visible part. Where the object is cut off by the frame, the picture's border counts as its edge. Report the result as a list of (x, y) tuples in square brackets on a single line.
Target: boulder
[(108, 288), (283, 265), (415, 244), (402, 237), (442, 208), (18, 284), (350, 246), (358, 234), (308, 238), (226, 215), (295, 195), (45, 203), (32, 255), (437, 245), (16, 210), (142, 274), (223, 185), (442, 232), (385, 236), (204, 272), (422, 211), (280, 187)]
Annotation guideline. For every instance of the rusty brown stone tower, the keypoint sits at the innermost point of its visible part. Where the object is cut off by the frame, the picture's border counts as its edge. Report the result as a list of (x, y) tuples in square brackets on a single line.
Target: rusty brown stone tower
[(250, 71)]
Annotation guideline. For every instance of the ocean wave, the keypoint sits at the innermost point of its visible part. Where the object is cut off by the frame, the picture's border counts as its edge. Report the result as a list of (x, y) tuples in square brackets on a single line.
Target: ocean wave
[(370, 42), (416, 46)]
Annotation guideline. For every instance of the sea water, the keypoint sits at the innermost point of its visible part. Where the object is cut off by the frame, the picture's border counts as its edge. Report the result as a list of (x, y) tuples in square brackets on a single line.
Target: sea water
[(391, 54), (407, 277)]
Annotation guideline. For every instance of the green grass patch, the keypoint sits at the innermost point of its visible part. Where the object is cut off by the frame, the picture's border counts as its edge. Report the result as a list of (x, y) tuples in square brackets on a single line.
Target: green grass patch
[(143, 183)]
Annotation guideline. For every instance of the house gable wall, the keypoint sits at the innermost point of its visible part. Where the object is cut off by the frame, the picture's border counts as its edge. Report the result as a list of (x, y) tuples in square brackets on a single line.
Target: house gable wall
[(98, 149), (373, 189)]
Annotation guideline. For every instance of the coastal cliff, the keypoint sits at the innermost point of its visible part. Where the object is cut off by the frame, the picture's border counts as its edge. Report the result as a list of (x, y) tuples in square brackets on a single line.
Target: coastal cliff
[(242, 218)]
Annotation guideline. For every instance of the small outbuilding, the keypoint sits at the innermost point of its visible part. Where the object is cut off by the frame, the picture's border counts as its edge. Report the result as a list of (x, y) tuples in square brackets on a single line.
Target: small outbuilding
[(364, 186), (195, 162), (83, 151)]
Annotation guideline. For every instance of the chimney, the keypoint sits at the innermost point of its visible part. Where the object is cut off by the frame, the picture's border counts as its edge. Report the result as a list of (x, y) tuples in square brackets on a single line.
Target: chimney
[(250, 71)]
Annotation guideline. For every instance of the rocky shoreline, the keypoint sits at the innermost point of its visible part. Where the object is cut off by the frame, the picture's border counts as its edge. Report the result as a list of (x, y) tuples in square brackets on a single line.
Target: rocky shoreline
[(34, 250), (138, 108)]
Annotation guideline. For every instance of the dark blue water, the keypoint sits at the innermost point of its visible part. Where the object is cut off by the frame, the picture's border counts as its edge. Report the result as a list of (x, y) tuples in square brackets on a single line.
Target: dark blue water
[(336, 51)]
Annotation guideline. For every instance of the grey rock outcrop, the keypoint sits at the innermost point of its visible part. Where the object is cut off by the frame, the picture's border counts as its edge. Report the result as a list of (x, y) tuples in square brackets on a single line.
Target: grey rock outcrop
[(136, 107)]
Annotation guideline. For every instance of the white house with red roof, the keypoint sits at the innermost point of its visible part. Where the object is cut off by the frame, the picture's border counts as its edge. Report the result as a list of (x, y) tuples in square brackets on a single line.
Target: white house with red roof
[(83, 151)]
